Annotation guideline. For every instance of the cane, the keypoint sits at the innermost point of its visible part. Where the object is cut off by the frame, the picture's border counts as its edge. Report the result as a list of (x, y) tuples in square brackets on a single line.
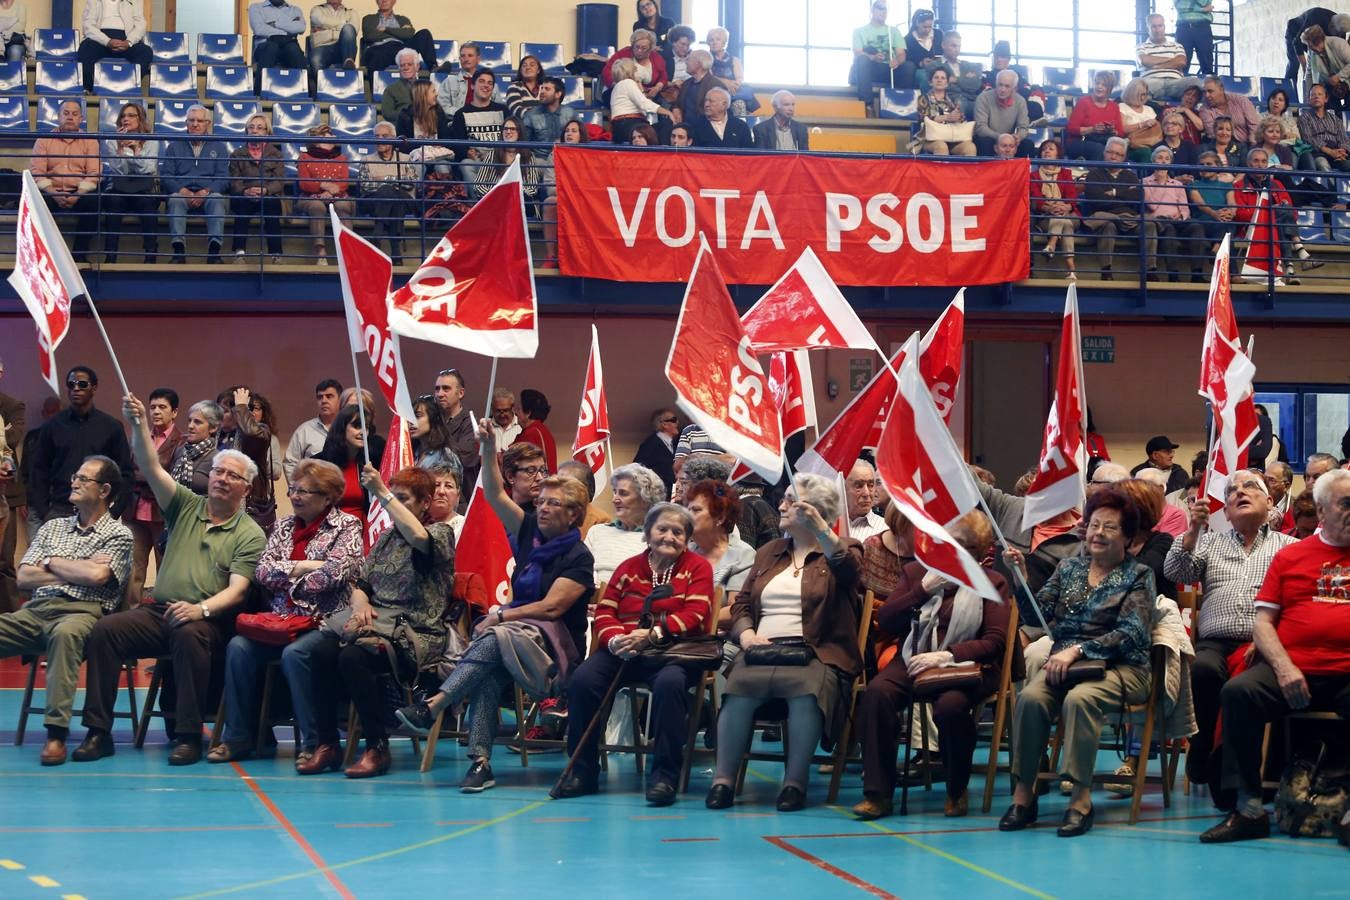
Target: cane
[(601, 712)]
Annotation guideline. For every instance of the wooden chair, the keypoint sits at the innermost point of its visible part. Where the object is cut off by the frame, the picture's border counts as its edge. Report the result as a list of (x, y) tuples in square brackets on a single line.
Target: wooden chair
[(1287, 723), (1003, 700), (27, 707), (859, 685), (354, 730), (266, 721)]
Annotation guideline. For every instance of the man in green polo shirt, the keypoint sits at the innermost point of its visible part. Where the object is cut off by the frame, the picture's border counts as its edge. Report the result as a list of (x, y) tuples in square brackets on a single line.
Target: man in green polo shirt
[(212, 553)]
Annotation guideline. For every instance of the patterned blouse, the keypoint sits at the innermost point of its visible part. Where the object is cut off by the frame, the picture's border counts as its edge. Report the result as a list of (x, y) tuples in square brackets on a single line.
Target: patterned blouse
[(417, 584), (880, 568), (338, 543), (931, 107), (1110, 621)]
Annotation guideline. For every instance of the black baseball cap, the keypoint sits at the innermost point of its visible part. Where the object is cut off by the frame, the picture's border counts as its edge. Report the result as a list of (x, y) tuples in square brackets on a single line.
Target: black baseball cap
[(1160, 442)]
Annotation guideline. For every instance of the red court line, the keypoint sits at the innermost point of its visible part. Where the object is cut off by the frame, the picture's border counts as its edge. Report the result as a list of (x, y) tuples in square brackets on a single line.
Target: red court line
[(846, 877), (687, 840), (141, 830), (296, 836)]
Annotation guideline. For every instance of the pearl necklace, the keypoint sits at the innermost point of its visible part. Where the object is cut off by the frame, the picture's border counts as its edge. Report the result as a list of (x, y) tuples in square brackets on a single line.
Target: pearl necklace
[(660, 576)]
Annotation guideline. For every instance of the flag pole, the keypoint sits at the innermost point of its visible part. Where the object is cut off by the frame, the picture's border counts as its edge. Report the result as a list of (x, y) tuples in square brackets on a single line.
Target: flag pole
[(1016, 572), (361, 408), (117, 367), (492, 386)]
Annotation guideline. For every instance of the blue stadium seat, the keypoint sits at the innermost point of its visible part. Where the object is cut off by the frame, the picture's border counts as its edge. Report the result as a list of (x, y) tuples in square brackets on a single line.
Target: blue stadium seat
[(1056, 111), (338, 85), (117, 78), (57, 76), (216, 49), (49, 110), (294, 118), (285, 84), (447, 52), (168, 46), (1266, 85), (503, 85), (550, 57), (171, 116), (575, 93), (494, 54), (55, 43), (1063, 81), (354, 120), (1039, 135), (901, 103), (13, 114), (381, 80), (13, 79), (604, 51), (1238, 84), (173, 80), (229, 82), (231, 118)]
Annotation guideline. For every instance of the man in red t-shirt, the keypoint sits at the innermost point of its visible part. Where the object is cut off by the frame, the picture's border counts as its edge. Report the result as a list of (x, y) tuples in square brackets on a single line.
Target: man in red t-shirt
[(1303, 636)]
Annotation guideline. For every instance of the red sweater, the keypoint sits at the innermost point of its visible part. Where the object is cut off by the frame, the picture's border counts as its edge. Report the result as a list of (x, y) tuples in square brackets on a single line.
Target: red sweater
[(1087, 114), (1068, 190), (312, 172), (686, 610), (537, 433)]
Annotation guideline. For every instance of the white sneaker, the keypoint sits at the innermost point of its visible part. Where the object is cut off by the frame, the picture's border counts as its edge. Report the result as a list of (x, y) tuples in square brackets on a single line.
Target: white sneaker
[(1066, 788), (1122, 788)]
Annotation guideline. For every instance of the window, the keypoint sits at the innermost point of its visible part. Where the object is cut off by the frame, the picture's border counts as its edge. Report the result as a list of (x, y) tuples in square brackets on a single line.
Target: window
[(1307, 418)]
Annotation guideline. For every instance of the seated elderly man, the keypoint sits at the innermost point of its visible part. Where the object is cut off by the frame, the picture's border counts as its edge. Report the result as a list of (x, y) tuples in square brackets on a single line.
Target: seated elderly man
[(1110, 203), (195, 175), (719, 128), (212, 553), (861, 490), (1002, 111), (782, 131), (1302, 634), (65, 167), (76, 571), (1324, 130), (1246, 121), (1230, 566), (384, 33)]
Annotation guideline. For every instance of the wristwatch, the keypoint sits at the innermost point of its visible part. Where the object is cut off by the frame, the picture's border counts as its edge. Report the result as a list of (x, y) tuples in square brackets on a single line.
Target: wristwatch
[(206, 610), (501, 615), (46, 561)]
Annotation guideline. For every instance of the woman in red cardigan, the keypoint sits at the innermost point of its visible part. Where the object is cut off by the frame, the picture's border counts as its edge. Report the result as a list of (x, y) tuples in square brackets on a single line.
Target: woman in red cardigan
[(325, 181), (662, 593), (1053, 196), (1095, 118)]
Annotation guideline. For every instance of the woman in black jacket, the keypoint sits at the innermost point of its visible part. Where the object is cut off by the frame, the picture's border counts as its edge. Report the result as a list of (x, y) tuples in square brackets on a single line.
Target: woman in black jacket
[(346, 449)]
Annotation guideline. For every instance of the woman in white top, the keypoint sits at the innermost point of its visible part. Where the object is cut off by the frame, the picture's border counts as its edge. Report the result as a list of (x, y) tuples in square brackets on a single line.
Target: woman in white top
[(628, 104), (634, 489), (14, 29), (1142, 128)]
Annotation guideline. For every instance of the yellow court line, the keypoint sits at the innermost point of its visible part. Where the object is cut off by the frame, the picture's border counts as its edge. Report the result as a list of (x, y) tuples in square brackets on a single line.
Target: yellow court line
[(760, 775), (43, 881), (72, 897), (10, 864), (951, 857), (397, 851)]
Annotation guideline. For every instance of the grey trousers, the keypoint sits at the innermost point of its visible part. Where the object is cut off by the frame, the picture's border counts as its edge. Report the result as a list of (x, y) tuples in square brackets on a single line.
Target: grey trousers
[(57, 627)]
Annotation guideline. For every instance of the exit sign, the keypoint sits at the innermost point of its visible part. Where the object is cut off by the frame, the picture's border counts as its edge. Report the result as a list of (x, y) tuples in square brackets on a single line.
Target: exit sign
[(1099, 348)]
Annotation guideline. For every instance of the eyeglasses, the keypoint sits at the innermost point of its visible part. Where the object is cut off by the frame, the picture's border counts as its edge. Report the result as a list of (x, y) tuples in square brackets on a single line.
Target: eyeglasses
[(294, 491), (670, 420), (81, 384), (1104, 527), (551, 503), (79, 479), (533, 471), (222, 472)]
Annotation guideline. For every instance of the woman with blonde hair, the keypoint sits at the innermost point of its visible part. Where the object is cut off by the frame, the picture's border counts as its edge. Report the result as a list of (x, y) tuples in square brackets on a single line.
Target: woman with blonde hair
[(257, 179), (628, 105), (130, 163)]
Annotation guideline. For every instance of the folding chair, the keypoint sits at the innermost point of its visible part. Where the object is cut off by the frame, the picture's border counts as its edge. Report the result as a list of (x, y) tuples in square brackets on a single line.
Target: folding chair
[(173, 80), (117, 78), (57, 76), (706, 685), (340, 86), (229, 82), (168, 46), (215, 49), (1003, 700), (469, 593), (354, 730), (27, 708)]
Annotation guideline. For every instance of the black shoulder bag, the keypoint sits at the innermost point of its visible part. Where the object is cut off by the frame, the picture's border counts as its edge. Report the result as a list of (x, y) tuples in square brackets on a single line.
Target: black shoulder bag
[(701, 651)]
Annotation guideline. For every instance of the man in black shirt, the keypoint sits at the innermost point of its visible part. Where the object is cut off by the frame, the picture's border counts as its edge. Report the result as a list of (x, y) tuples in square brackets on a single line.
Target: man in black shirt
[(1110, 204), (481, 118), (63, 443)]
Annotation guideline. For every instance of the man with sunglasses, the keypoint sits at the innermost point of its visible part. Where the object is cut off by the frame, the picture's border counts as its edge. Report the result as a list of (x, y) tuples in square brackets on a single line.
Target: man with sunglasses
[(76, 571), (657, 450), (66, 440), (212, 553)]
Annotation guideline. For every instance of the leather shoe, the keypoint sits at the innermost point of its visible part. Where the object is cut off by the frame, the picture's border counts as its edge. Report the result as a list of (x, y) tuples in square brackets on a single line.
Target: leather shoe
[(720, 796), (185, 753), (53, 752), (660, 793), (96, 745), (574, 786), (1076, 823), (872, 808), (1018, 817), (1237, 827), (374, 761), (955, 807), (223, 753), (323, 758), (791, 799)]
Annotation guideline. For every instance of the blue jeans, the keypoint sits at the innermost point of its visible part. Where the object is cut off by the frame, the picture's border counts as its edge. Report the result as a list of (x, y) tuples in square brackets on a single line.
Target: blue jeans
[(334, 54), (213, 208), (244, 660)]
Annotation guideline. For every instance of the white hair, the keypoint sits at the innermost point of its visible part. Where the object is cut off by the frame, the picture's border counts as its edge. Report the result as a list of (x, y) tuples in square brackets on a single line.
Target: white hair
[(1113, 141), (703, 56), (718, 90), (1110, 472), (639, 34), (650, 489), (818, 491), (779, 96), (623, 69), (1156, 477), (718, 29), (666, 508), (406, 51), (1326, 483), (250, 467)]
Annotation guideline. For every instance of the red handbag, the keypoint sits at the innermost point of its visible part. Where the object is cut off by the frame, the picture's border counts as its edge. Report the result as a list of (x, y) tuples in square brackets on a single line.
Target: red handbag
[(273, 629)]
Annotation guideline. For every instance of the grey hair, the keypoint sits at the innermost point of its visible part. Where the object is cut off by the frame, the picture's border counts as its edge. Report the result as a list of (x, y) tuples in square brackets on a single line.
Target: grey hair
[(1326, 482), (406, 51), (1130, 93), (1322, 457), (818, 491), (1214, 79), (1155, 477), (1340, 23), (718, 29), (1161, 148), (650, 489), (250, 467), (780, 95), (623, 69), (387, 124), (718, 90), (1254, 474), (504, 394), (197, 106), (704, 57), (665, 507), (639, 34), (705, 467), (1256, 150), (1010, 73), (1111, 141), (210, 411), (1110, 472)]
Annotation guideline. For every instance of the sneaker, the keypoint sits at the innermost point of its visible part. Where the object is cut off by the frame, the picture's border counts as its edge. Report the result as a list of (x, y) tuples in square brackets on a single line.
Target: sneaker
[(478, 778), (1066, 788), (417, 718), (1122, 788), (240, 256), (537, 733)]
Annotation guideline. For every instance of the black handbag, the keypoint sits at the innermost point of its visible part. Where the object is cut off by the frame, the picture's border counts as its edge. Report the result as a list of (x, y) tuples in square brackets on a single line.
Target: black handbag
[(780, 652), (700, 651), (1084, 670)]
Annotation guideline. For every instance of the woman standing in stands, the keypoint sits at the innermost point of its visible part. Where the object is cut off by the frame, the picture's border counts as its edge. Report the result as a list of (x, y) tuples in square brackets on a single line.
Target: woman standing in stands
[(257, 180), (430, 438), (261, 410), (924, 41), (131, 163), (14, 29), (325, 183), (1095, 118), (523, 94), (628, 103), (192, 461), (649, 17), (943, 113), (1054, 196), (730, 72), (241, 430), (346, 449)]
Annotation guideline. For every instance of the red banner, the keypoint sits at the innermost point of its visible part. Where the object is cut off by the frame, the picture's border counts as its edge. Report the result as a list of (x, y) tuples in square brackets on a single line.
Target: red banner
[(45, 276), (636, 216)]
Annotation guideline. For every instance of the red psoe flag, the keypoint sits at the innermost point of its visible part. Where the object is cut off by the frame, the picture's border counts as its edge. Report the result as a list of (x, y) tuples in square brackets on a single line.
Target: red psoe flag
[(45, 276), (1226, 375), (398, 454), (591, 445), (793, 392), (923, 472), (1060, 481), (805, 310), (1263, 244), (941, 353), (365, 273), (718, 381), (484, 548), (475, 291)]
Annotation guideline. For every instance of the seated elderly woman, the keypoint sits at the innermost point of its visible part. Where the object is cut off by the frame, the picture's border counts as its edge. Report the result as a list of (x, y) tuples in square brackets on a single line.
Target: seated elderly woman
[(324, 179), (947, 625), (657, 595), (634, 489), (796, 621), (307, 570), (191, 463), (885, 557), (1100, 606), (716, 508), (445, 497), (549, 588), (944, 129), (405, 582)]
